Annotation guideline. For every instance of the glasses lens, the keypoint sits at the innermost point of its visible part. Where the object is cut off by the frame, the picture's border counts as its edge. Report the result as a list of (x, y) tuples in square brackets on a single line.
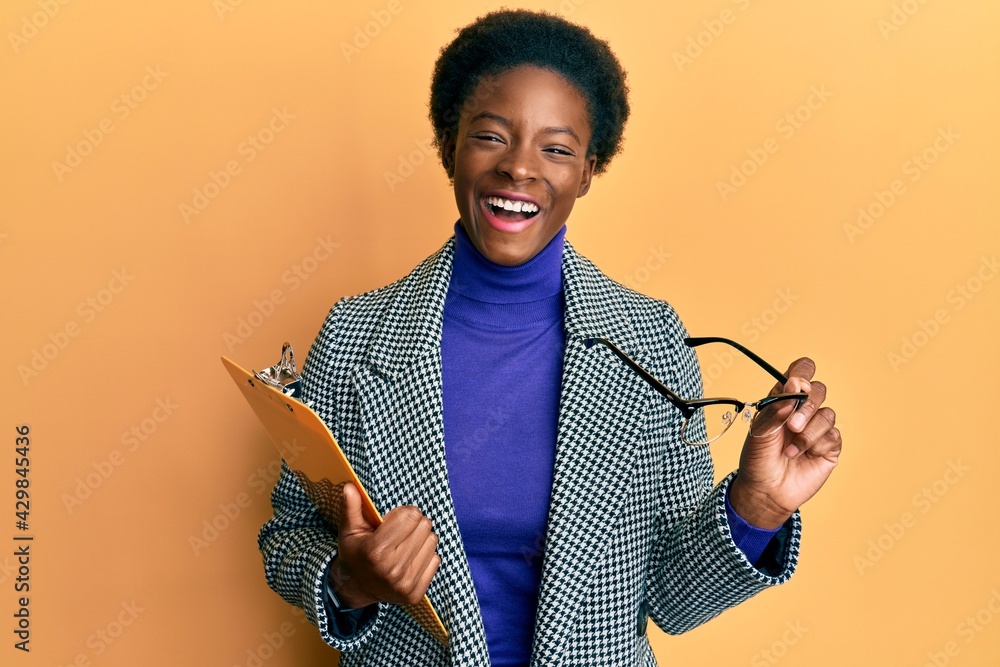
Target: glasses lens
[(708, 423), (772, 417)]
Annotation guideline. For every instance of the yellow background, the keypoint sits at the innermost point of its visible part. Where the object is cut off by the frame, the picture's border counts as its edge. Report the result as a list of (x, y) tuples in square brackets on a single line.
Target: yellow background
[(886, 576)]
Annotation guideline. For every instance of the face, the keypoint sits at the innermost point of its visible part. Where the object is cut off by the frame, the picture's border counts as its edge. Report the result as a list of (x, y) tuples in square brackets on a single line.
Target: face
[(521, 144)]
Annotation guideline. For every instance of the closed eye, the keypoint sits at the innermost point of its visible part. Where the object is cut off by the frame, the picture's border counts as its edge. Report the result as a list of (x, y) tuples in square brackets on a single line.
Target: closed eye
[(496, 139)]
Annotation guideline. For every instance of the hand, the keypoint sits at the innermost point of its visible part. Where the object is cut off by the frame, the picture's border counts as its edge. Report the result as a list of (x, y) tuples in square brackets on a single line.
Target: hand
[(780, 472), (393, 563)]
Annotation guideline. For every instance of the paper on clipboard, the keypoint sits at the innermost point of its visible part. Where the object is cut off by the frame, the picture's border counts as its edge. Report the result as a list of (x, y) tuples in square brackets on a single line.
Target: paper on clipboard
[(320, 464)]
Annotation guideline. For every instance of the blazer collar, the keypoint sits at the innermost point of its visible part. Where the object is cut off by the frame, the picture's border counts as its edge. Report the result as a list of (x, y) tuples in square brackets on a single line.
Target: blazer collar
[(413, 322)]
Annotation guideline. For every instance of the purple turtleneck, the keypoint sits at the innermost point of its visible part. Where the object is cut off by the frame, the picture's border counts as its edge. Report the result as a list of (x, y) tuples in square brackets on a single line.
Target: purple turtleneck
[(501, 354)]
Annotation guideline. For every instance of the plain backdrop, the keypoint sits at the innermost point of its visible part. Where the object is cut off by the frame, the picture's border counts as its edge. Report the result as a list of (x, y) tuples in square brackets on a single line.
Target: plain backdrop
[(190, 179)]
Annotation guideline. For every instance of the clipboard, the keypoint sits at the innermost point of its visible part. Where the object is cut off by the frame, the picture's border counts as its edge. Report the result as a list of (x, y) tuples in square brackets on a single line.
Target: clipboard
[(318, 462)]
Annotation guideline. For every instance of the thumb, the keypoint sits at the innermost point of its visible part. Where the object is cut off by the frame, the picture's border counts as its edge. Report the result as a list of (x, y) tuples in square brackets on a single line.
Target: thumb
[(351, 519)]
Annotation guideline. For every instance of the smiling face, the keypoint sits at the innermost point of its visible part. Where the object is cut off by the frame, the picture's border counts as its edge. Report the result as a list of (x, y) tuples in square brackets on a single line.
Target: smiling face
[(520, 161)]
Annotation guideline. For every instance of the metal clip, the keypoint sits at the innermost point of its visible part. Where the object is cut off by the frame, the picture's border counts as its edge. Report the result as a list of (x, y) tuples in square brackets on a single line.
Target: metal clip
[(283, 375)]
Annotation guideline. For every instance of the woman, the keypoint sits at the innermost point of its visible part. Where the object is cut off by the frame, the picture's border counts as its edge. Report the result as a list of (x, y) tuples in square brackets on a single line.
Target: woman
[(532, 485)]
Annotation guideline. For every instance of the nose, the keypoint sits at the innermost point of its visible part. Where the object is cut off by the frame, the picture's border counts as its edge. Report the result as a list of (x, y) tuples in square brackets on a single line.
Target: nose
[(519, 162)]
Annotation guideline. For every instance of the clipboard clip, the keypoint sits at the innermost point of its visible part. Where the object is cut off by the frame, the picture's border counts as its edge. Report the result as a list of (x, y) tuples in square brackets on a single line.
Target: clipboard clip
[(283, 376)]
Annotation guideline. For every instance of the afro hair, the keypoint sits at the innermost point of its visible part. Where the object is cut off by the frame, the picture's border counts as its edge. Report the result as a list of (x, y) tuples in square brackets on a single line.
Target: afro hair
[(502, 40)]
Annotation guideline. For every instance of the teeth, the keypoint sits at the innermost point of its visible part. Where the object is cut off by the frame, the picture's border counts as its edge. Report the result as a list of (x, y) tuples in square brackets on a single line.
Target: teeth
[(513, 204)]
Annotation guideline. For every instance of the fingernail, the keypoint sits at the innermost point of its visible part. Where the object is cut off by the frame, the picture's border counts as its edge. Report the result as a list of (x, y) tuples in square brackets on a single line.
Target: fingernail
[(797, 421), (791, 451)]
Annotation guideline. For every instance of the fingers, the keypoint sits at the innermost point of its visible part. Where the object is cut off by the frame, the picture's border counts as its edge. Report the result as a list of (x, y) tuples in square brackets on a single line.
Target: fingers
[(424, 567), (817, 394), (811, 423), (351, 519), (819, 437), (771, 418), (799, 373), (414, 545), (803, 367), (407, 555), (413, 589), (429, 572), (404, 528)]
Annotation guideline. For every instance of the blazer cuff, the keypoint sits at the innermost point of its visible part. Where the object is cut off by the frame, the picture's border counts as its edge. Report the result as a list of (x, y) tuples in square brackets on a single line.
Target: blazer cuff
[(703, 572), (346, 630), (779, 558)]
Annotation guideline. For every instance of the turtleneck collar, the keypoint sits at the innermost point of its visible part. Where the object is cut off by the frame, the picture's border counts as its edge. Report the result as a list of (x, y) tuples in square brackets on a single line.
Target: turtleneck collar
[(477, 277), (507, 297)]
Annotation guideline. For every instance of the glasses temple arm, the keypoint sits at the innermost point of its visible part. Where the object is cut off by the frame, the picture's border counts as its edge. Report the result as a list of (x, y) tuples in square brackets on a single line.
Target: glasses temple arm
[(645, 375), (772, 371)]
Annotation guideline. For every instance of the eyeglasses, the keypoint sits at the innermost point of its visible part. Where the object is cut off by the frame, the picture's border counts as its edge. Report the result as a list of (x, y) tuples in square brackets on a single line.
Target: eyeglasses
[(706, 419)]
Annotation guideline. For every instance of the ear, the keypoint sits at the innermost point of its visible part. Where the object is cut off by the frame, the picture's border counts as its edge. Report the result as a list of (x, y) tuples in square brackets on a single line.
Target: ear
[(588, 175), (448, 150)]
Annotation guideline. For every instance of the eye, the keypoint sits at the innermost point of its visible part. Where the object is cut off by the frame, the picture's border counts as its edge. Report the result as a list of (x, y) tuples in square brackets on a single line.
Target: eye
[(559, 151), (487, 137)]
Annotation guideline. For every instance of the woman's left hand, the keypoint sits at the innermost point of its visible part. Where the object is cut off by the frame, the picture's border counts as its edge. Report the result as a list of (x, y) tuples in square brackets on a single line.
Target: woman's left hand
[(781, 471)]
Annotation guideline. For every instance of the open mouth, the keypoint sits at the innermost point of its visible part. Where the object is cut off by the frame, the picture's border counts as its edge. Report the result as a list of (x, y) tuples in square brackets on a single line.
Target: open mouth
[(511, 210)]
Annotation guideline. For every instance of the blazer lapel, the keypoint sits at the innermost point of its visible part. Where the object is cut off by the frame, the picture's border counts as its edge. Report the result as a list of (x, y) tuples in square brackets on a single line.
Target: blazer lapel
[(602, 410), (399, 392), (601, 415)]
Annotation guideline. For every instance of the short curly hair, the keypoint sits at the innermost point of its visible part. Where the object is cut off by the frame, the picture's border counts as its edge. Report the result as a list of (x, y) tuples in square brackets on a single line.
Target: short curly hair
[(504, 39)]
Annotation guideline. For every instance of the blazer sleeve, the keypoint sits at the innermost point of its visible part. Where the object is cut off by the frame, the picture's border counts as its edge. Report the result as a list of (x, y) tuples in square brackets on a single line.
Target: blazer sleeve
[(697, 571), (298, 547)]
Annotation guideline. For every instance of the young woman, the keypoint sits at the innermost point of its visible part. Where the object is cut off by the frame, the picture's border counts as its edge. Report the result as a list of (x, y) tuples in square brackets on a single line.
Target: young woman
[(540, 492)]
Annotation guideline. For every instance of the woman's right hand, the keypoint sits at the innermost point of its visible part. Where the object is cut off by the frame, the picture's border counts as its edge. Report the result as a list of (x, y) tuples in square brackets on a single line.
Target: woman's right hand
[(393, 563)]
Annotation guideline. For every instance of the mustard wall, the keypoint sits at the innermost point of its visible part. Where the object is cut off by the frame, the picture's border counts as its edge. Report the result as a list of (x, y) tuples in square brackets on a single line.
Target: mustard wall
[(190, 179)]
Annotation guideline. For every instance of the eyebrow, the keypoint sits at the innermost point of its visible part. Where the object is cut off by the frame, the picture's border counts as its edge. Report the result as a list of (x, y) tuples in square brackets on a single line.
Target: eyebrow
[(506, 123)]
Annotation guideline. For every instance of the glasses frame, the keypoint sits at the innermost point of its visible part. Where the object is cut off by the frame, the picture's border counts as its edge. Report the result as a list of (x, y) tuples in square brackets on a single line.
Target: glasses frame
[(688, 406)]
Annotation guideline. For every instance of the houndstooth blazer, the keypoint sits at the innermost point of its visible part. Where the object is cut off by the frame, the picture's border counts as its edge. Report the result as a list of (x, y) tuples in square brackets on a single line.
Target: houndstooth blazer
[(636, 526)]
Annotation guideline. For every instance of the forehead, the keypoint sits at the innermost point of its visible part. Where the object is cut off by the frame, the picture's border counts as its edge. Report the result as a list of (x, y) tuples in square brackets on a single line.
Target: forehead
[(532, 93)]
